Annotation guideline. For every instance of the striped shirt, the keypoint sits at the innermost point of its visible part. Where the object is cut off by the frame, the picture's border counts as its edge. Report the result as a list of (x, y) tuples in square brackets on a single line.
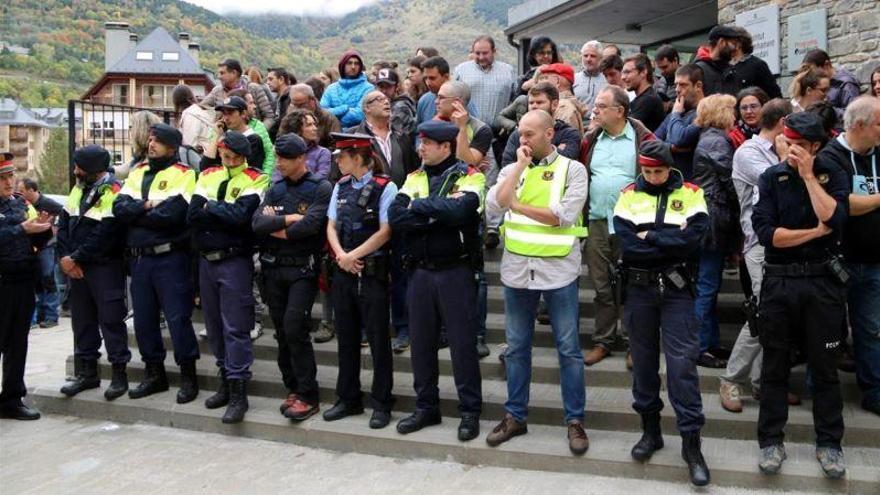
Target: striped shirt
[(491, 90)]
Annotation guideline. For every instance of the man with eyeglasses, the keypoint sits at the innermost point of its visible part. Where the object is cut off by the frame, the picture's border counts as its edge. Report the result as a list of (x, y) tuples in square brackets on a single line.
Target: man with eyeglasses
[(610, 153)]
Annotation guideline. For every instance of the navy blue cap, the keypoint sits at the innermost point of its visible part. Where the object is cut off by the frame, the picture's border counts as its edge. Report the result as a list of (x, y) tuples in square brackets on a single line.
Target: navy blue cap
[(167, 135), (236, 142), (655, 153), (290, 145), (438, 130), (804, 125), (232, 103), (92, 158)]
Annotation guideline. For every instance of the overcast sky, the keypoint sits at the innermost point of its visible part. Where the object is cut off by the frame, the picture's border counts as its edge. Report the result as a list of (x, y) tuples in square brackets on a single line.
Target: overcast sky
[(296, 7)]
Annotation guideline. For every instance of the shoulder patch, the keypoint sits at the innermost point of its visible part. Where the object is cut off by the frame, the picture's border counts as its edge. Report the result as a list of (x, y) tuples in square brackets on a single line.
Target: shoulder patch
[(253, 173), (142, 165), (345, 178), (115, 187), (181, 167), (211, 170), (630, 187), (691, 186), (471, 170), (382, 180), (417, 172)]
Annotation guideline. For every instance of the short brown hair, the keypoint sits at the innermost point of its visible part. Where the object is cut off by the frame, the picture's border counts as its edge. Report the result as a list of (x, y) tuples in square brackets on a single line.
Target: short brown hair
[(545, 88)]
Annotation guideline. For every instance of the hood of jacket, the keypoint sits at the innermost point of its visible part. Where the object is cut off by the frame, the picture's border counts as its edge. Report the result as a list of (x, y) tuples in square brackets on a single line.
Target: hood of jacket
[(344, 60)]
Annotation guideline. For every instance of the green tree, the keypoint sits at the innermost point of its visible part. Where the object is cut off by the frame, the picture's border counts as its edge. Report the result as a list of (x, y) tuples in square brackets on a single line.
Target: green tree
[(54, 173)]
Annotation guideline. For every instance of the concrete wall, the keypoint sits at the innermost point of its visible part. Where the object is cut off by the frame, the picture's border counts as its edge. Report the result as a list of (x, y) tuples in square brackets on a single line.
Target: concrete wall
[(853, 30)]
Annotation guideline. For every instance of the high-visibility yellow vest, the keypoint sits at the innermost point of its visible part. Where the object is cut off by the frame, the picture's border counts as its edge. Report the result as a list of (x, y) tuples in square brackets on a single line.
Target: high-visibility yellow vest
[(171, 181), (541, 186), (101, 208), (468, 179)]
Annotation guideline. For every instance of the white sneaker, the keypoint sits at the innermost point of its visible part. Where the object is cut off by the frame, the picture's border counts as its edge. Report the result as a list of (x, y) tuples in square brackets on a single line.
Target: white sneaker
[(257, 331)]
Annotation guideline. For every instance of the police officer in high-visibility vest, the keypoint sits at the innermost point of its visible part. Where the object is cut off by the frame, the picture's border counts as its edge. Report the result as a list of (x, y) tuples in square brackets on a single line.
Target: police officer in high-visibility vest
[(542, 197), (359, 234), (22, 232), (153, 204), (220, 214), (799, 217), (90, 246), (438, 209), (661, 220), (291, 228)]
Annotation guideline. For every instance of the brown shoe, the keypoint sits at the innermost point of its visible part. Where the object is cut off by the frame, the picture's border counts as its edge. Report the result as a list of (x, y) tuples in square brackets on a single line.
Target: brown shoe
[(578, 442), (793, 399), (629, 361), (506, 429), (596, 354), (287, 402), (300, 410), (730, 400)]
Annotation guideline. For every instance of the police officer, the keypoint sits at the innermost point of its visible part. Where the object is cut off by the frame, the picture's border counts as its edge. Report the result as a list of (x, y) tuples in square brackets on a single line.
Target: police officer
[(90, 246), (290, 226), (799, 216), (153, 205), (359, 234), (438, 209), (660, 220), (22, 232), (220, 214)]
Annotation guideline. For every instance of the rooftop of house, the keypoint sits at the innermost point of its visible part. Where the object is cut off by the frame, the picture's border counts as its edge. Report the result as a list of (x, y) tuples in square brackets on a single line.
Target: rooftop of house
[(158, 53)]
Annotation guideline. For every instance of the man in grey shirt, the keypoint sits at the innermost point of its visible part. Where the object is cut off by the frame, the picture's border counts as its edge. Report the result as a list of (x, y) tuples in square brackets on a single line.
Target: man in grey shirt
[(542, 197), (589, 80), (749, 161)]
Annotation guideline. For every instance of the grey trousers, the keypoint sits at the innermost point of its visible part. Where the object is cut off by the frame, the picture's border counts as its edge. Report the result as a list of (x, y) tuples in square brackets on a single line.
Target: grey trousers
[(745, 358), (602, 252)]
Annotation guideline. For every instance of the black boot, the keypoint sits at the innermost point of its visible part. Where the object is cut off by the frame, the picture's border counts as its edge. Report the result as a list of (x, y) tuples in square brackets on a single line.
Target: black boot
[(690, 452), (189, 385), (85, 377), (221, 398), (118, 384), (652, 439), (155, 381), (238, 401)]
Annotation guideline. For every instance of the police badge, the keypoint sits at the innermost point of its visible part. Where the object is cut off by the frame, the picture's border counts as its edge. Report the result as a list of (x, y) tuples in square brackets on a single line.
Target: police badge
[(163, 184), (547, 175), (823, 178), (235, 191), (676, 205), (302, 208)]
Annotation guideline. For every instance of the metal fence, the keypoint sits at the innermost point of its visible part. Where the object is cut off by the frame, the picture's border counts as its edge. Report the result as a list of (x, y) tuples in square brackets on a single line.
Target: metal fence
[(105, 124)]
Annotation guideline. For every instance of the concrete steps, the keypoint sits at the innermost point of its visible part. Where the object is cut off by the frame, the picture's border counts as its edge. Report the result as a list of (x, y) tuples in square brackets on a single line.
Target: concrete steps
[(732, 462)]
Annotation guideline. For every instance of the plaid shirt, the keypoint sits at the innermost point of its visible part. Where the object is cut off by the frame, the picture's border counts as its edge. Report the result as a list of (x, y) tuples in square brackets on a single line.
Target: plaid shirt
[(491, 90)]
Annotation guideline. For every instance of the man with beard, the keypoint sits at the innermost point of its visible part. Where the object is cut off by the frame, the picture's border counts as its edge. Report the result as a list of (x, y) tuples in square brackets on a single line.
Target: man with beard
[(678, 127), (718, 75), (343, 97), (90, 254)]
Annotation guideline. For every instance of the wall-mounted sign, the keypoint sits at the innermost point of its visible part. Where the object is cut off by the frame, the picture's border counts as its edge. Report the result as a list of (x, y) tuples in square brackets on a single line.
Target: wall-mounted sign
[(805, 32), (763, 25)]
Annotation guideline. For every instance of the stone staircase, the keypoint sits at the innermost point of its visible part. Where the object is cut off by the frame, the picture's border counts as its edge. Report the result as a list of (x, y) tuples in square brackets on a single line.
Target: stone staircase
[(729, 444)]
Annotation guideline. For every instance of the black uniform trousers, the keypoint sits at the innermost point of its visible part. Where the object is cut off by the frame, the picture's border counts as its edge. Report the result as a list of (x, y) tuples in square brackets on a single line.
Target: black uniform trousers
[(804, 313), (362, 302), (445, 298), (652, 315), (290, 293), (17, 301), (97, 302)]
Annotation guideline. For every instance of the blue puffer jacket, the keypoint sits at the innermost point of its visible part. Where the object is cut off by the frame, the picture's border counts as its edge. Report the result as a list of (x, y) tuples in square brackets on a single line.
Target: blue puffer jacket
[(343, 99)]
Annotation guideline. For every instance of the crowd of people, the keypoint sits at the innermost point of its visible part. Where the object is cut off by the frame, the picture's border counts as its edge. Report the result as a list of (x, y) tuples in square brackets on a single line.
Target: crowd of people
[(378, 188)]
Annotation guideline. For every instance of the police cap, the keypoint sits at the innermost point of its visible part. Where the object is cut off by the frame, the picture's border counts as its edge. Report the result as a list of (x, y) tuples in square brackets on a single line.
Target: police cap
[(655, 153), (166, 135), (439, 131), (236, 142), (345, 141), (92, 158), (804, 125), (290, 146)]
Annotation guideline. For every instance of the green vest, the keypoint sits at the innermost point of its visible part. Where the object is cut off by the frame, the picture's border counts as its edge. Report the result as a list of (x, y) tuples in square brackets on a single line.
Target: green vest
[(541, 186), (417, 185), (101, 208), (240, 181), (174, 180)]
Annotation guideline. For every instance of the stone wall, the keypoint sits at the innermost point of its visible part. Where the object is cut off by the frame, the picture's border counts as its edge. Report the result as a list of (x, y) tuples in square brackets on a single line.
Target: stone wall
[(853, 31)]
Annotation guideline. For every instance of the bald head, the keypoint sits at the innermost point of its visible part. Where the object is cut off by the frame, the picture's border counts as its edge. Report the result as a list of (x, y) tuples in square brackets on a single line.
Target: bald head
[(536, 131), (541, 118)]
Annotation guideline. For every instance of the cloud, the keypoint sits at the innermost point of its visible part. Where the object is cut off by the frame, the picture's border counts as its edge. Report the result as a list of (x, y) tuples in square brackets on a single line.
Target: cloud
[(320, 8)]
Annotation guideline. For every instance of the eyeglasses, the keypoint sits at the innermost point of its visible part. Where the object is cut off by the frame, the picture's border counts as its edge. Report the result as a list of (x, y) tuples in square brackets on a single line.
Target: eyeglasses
[(750, 108), (376, 98), (602, 106)]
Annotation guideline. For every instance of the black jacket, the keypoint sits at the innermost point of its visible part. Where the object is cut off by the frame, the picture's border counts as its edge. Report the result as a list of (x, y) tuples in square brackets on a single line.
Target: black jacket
[(404, 158), (718, 77), (309, 196), (713, 166), (752, 71), (87, 240)]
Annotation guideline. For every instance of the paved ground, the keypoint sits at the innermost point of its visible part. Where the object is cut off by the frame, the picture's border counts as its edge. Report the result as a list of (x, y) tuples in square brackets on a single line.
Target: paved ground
[(61, 454)]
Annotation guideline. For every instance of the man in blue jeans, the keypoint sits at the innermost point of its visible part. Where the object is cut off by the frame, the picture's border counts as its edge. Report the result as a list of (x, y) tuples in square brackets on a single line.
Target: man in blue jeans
[(542, 197), (48, 297), (857, 152)]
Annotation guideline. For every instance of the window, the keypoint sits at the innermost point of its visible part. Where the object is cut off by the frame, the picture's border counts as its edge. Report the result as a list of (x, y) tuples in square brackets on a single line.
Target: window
[(170, 56), (117, 158), (144, 56), (120, 94), (157, 96)]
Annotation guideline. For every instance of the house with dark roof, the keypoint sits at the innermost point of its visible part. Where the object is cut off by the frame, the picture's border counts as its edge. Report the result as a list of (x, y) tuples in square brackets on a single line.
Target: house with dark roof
[(23, 134), (143, 73)]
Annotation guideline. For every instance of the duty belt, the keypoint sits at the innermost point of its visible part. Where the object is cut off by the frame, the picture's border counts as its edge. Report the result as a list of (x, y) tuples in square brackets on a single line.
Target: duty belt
[(274, 260), (795, 270), (154, 250), (374, 266), (441, 263), (222, 254)]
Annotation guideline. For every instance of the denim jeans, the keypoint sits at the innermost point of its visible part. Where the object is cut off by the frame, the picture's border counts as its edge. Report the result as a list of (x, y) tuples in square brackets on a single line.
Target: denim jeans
[(706, 302), (48, 297), (864, 318), (521, 305)]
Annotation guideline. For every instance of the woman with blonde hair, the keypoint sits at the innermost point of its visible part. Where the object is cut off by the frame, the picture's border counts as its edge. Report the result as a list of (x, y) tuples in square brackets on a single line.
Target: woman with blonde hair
[(713, 166), (809, 86), (139, 134)]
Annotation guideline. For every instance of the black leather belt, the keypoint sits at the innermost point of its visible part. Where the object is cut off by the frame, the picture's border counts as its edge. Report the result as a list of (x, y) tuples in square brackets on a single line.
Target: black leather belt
[(274, 260), (222, 254), (797, 270), (442, 263), (154, 250)]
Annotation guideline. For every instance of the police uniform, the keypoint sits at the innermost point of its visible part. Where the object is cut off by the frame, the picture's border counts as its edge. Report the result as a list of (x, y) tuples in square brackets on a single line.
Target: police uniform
[(157, 245), (357, 209), (290, 272), (220, 214), (802, 304), (659, 302), (18, 272), (90, 236), (438, 210)]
